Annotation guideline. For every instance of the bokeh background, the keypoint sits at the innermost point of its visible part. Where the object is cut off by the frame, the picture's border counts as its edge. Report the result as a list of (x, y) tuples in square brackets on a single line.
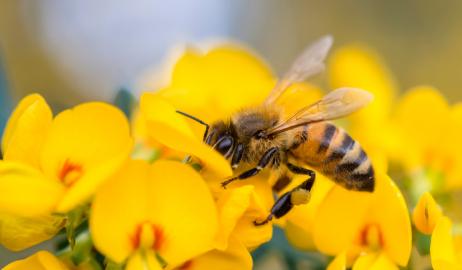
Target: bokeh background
[(74, 51)]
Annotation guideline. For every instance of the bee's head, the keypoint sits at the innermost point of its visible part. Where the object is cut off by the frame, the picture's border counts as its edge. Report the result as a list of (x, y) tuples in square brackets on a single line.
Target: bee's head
[(252, 124), (222, 137)]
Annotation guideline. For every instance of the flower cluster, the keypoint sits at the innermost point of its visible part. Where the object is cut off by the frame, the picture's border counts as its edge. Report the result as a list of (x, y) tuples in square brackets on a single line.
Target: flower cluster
[(145, 193)]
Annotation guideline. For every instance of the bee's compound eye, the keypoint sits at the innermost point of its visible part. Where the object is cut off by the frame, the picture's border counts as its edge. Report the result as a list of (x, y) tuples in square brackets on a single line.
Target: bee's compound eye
[(224, 144)]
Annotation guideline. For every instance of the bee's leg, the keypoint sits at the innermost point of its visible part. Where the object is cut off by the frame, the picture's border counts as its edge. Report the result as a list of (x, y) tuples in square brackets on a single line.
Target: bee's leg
[(282, 181), (265, 159), (237, 156), (299, 195), (300, 170)]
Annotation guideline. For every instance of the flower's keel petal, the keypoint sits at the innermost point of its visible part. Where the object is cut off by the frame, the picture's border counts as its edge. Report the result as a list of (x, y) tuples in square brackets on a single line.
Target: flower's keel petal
[(27, 192), (26, 130), (18, 233), (172, 130)]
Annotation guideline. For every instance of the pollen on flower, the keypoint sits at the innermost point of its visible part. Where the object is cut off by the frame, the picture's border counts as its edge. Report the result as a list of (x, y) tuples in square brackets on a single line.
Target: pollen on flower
[(147, 236), (371, 237), (70, 173)]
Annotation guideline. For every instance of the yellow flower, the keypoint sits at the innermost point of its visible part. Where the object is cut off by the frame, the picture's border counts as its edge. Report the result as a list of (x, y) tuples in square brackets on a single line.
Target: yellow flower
[(430, 129), (213, 85), (53, 165), (42, 260), (374, 228), (445, 248), (426, 214), (164, 209)]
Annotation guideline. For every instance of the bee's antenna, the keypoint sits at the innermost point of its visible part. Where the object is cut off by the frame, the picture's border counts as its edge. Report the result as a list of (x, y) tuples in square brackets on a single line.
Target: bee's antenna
[(197, 120)]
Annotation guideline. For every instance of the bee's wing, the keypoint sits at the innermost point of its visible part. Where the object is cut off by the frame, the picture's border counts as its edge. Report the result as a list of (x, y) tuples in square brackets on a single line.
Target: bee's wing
[(309, 63), (336, 104)]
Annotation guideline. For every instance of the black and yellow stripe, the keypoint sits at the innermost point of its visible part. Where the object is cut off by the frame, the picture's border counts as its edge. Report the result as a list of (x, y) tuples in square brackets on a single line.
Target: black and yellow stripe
[(333, 152)]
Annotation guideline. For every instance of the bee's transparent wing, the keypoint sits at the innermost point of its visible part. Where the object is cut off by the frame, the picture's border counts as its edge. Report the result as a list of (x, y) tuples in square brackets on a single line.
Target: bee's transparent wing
[(336, 104), (309, 63)]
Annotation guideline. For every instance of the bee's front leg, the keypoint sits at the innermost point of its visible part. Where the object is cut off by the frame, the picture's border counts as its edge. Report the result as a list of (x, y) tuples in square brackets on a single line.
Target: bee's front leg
[(264, 161), (237, 156)]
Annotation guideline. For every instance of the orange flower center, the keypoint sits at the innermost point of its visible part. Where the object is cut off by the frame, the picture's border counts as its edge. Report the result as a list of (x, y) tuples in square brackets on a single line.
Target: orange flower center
[(147, 236), (70, 173), (371, 237)]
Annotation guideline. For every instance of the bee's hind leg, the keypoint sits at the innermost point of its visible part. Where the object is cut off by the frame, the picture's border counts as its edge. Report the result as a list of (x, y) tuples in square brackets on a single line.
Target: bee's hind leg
[(298, 195), (307, 184)]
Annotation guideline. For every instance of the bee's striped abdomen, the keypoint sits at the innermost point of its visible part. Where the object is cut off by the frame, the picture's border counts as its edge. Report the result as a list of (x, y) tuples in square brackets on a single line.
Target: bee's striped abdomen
[(331, 151)]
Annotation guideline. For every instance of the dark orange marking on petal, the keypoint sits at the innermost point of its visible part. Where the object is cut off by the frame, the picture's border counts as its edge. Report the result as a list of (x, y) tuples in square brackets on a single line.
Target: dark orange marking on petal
[(70, 173), (159, 237), (136, 237), (156, 231), (363, 236), (185, 266)]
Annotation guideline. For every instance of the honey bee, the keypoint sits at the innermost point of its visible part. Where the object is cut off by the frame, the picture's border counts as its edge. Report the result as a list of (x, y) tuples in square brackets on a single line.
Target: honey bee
[(263, 138)]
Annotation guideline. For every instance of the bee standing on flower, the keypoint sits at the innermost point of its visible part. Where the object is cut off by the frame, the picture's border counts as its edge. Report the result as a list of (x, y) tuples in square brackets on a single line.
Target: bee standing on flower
[(263, 138)]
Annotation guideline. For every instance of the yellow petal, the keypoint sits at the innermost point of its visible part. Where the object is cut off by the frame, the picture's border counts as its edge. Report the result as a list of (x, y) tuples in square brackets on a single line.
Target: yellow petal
[(93, 139), (180, 194), (169, 195), (18, 233), (245, 231), (298, 236), (26, 191), (113, 221), (141, 261), (171, 129), (426, 214), (339, 263), (90, 181), (42, 260), (389, 211), (231, 205), (374, 261), (384, 210), (214, 84), (442, 252), (26, 130), (340, 206), (236, 256), (239, 206)]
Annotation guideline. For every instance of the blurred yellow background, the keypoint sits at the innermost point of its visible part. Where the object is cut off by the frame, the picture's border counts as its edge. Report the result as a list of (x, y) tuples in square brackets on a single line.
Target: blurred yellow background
[(83, 50)]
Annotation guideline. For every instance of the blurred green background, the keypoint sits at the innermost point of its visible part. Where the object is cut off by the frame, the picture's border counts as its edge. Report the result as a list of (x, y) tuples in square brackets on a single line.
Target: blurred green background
[(73, 51)]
